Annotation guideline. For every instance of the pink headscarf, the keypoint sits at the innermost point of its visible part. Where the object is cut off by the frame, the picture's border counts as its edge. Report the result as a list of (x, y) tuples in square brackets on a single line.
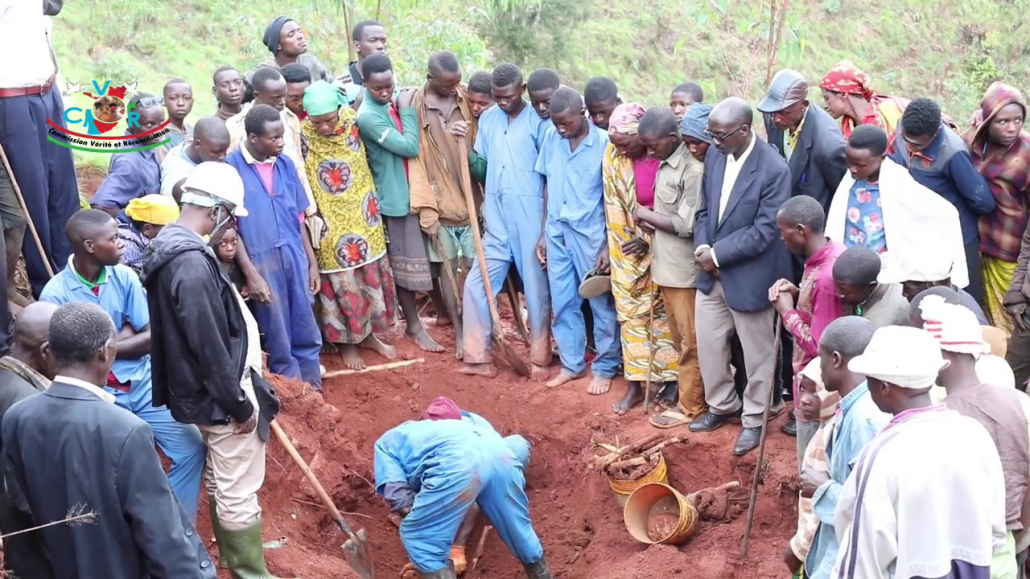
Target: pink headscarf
[(625, 119), (442, 409)]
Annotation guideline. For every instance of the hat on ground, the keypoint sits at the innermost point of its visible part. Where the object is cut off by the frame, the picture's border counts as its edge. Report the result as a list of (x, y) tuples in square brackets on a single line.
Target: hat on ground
[(154, 209), (788, 87), (903, 356), (442, 408), (595, 285), (217, 180), (954, 326), (695, 122)]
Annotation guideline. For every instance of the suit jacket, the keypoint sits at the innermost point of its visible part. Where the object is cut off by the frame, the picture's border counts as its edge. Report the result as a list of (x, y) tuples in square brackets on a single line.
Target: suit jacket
[(747, 241), (817, 164), (69, 451)]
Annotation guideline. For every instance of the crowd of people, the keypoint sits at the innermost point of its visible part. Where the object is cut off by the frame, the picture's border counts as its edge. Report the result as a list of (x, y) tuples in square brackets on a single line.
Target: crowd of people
[(866, 260)]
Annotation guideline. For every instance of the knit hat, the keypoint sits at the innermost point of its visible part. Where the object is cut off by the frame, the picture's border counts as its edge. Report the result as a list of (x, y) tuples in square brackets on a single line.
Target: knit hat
[(903, 356), (695, 122), (954, 326), (442, 408), (271, 37), (154, 209)]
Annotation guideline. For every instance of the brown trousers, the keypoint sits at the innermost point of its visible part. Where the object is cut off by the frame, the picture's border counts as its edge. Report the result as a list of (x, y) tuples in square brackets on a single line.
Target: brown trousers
[(679, 306)]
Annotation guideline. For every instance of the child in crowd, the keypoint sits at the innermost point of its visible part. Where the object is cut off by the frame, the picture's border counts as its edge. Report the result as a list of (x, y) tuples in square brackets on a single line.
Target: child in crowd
[(225, 249)]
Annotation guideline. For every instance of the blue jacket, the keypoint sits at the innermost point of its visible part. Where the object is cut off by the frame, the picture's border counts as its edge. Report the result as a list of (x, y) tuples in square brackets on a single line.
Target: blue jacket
[(946, 168), (66, 449), (746, 243)]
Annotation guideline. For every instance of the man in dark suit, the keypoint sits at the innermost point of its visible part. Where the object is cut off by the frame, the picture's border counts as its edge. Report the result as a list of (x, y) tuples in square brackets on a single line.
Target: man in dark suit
[(71, 451), (739, 253), (26, 371)]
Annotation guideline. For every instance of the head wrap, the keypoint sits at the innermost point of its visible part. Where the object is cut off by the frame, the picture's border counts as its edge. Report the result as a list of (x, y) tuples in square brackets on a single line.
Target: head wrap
[(625, 119), (846, 78), (271, 37), (695, 122), (954, 326), (998, 96), (442, 409), (903, 356), (154, 209), (321, 98)]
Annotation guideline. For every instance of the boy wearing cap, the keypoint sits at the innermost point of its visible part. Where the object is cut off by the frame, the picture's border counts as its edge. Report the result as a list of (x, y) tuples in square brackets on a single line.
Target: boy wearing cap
[(147, 215), (926, 498), (207, 360)]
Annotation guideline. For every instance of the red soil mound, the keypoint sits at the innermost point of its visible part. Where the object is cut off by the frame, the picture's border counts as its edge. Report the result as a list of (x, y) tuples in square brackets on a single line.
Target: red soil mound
[(574, 511)]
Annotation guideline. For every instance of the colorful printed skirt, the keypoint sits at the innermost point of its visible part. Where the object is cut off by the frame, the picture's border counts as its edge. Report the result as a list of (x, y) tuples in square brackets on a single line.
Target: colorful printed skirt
[(357, 302)]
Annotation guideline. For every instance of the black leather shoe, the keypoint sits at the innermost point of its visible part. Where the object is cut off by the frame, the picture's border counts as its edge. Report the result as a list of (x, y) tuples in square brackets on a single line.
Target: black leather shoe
[(709, 421), (747, 440), (791, 427)]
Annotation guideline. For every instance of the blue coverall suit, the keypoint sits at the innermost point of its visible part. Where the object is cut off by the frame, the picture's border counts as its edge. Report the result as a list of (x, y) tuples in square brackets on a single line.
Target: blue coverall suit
[(120, 294), (513, 212), (575, 236), (453, 463), (271, 231)]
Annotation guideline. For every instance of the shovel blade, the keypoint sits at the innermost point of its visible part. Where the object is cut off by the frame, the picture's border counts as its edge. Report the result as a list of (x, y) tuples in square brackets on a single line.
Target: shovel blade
[(358, 556), (511, 357)]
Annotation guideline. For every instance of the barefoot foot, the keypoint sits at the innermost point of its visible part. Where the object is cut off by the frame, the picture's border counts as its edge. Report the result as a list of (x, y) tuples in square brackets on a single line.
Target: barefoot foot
[(376, 345), (562, 377), (329, 348), (538, 373), (632, 397), (459, 347), (424, 341), (488, 370), (351, 358), (599, 385)]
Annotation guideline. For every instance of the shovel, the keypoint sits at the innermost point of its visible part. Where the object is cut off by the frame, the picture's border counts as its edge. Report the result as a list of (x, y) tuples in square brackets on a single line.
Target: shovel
[(507, 352), (452, 305), (355, 549)]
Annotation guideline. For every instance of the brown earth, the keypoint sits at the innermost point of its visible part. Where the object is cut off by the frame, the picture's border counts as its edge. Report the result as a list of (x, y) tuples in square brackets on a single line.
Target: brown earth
[(574, 511)]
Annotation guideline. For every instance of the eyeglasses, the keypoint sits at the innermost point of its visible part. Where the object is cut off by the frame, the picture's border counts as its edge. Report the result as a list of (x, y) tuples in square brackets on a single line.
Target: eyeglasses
[(723, 136), (149, 101)]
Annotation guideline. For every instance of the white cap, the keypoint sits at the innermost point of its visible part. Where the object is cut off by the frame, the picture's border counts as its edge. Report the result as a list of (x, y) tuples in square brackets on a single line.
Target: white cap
[(954, 326), (903, 356), (218, 180)]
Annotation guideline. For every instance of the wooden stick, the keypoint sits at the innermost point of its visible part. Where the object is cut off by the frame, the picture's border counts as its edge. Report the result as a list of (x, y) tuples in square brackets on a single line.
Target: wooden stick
[(761, 443), (636, 446), (516, 309), (480, 546), (375, 368), (28, 217), (651, 352), (660, 446), (640, 460), (723, 487)]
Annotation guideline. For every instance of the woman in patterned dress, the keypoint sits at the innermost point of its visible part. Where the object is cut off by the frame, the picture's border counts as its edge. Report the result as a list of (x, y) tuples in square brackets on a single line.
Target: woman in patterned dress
[(629, 177), (357, 295)]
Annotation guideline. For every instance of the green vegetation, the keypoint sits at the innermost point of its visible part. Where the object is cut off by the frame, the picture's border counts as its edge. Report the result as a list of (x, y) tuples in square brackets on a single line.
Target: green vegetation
[(949, 51)]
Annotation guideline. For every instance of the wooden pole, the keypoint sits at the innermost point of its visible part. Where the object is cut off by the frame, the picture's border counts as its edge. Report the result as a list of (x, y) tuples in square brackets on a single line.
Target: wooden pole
[(28, 217)]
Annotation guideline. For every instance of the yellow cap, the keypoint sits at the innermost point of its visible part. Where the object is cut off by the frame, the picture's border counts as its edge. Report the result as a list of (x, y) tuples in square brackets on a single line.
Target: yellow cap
[(153, 209)]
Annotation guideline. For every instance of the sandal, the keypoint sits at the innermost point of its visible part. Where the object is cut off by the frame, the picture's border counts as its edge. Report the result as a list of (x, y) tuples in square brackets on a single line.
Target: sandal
[(670, 419)]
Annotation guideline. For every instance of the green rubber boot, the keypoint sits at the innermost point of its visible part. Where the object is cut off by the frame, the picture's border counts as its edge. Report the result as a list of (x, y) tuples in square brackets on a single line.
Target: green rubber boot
[(538, 570), (245, 553), (216, 526)]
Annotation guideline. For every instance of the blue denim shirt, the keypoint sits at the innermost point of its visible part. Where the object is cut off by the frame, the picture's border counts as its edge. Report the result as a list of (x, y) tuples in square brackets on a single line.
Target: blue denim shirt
[(857, 422)]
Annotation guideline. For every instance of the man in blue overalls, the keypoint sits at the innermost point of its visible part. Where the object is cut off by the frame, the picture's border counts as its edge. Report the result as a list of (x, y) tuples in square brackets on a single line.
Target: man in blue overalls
[(95, 276)]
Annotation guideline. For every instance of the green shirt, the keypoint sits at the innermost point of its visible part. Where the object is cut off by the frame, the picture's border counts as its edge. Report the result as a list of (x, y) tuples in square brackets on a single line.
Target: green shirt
[(387, 148)]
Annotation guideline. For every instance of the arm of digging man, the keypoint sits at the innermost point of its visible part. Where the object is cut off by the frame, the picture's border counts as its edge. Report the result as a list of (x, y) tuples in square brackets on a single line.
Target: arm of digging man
[(259, 289), (152, 510), (750, 241), (390, 476), (198, 303)]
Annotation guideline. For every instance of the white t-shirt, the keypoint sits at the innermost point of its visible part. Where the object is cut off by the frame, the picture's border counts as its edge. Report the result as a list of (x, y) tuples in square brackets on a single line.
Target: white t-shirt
[(23, 32)]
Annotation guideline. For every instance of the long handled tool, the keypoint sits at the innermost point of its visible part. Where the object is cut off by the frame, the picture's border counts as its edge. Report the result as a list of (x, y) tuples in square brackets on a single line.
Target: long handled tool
[(355, 549), (509, 354), (451, 304), (28, 217), (516, 308), (761, 443)]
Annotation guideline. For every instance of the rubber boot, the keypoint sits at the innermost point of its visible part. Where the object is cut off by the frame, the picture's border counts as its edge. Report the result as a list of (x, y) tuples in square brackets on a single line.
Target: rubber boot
[(538, 570), (245, 553), (445, 573), (216, 526)]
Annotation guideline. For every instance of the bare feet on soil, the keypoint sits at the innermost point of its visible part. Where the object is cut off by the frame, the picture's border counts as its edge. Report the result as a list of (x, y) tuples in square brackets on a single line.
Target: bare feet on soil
[(488, 370), (329, 348), (424, 341), (538, 373), (599, 385), (351, 358), (376, 345), (632, 397), (563, 377)]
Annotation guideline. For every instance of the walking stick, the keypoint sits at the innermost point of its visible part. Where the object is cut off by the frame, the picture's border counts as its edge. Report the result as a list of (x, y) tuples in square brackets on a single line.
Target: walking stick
[(651, 352), (28, 217), (761, 442)]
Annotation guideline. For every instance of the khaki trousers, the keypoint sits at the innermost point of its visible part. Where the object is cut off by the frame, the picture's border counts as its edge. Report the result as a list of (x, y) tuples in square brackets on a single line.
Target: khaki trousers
[(716, 324), (679, 306), (235, 469)]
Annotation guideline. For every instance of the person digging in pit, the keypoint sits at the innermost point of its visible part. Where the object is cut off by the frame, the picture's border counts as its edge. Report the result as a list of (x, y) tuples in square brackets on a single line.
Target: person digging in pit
[(433, 473)]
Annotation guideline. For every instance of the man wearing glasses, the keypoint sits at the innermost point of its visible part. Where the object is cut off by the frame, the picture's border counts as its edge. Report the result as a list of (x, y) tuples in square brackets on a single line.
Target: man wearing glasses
[(939, 160), (740, 255)]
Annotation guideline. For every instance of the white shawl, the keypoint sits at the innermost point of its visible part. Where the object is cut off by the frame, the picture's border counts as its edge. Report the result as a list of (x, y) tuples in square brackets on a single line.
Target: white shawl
[(921, 227)]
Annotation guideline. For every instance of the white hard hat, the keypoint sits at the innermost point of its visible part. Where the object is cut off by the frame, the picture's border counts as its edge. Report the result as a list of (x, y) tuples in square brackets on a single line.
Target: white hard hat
[(218, 180)]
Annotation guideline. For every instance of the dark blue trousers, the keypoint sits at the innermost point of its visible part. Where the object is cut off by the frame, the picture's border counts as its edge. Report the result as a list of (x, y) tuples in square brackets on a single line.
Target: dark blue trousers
[(45, 172)]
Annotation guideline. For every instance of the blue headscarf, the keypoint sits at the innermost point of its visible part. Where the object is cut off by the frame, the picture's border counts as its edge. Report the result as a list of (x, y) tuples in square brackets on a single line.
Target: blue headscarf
[(695, 122)]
